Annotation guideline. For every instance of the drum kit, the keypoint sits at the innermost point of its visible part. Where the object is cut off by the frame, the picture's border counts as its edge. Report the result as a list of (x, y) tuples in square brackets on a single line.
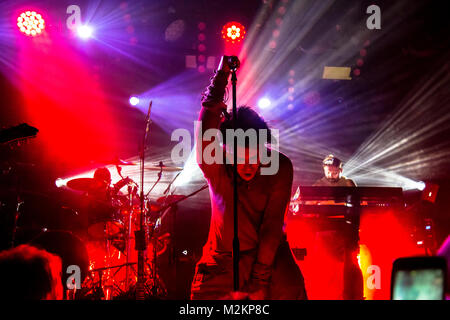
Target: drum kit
[(98, 234), (114, 239), (112, 222)]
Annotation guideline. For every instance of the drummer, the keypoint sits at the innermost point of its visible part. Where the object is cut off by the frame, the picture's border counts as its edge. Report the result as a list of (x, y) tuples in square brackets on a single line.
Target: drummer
[(101, 189), (100, 195)]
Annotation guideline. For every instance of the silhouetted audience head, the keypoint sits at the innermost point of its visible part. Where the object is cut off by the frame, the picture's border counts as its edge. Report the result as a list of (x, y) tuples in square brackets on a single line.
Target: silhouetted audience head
[(28, 273)]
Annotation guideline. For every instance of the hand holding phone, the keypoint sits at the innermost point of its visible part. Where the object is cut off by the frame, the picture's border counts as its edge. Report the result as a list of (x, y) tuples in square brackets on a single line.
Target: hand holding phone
[(419, 278)]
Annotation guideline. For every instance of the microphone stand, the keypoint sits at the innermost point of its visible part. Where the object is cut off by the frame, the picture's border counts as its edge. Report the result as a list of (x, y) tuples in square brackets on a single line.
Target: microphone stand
[(154, 289), (140, 234), (235, 192)]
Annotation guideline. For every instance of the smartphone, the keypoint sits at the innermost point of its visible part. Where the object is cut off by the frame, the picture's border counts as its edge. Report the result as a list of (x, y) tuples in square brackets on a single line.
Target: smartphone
[(419, 278)]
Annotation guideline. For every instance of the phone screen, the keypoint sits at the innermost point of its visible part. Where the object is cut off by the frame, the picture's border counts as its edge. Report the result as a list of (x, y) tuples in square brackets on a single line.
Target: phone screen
[(419, 284)]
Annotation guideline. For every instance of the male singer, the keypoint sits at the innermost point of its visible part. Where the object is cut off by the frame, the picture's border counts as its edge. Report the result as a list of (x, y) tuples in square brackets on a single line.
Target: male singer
[(267, 269)]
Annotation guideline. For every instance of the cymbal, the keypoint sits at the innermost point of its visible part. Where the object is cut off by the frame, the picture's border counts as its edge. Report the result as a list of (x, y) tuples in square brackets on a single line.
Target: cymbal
[(120, 162), (164, 168), (84, 184)]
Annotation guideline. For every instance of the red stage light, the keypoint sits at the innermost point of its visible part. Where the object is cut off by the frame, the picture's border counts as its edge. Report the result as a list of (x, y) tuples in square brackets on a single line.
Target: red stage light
[(30, 23), (233, 32)]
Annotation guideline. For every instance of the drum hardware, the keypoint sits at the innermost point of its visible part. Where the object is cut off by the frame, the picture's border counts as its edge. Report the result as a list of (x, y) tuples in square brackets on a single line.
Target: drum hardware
[(146, 229), (16, 219), (171, 183), (114, 267), (161, 165), (177, 198), (132, 193), (111, 286), (140, 243)]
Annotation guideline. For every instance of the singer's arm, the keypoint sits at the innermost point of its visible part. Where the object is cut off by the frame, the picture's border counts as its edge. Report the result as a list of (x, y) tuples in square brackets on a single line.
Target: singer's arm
[(271, 229), (211, 114)]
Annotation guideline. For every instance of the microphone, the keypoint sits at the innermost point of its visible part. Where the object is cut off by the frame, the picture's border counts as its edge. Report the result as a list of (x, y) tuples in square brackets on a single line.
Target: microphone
[(233, 62), (147, 119)]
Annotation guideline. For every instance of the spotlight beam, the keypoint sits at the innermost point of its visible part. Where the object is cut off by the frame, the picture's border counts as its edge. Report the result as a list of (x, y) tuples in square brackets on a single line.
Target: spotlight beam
[(414, 122)]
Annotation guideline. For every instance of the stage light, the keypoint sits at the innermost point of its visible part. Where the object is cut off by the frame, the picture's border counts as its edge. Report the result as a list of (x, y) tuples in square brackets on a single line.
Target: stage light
[(233, 32), (134, 101), (60, 183), (264, 103), (30, 23), (420, 185), (85, 32)]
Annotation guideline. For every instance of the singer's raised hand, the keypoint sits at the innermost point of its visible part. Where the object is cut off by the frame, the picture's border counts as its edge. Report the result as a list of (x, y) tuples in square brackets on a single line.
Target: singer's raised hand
[(223, 64)]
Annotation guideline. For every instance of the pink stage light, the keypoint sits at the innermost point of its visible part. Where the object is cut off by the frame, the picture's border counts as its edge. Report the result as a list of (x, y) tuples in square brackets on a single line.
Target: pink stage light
[(233, 32), (30, 23)]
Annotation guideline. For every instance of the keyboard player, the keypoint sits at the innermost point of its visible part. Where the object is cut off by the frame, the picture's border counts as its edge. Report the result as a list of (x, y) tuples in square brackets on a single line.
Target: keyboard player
[(332, 168), (338, 249)]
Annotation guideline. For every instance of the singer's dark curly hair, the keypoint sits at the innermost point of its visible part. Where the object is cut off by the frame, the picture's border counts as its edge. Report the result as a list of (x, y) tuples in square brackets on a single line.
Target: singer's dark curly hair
[(247, 118)]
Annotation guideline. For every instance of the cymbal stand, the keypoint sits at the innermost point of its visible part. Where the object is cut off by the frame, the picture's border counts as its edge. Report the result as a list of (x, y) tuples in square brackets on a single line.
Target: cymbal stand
[(16, 219), (140, 234), (128, 234), (154, 289), (109, 280), (161, 166)]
